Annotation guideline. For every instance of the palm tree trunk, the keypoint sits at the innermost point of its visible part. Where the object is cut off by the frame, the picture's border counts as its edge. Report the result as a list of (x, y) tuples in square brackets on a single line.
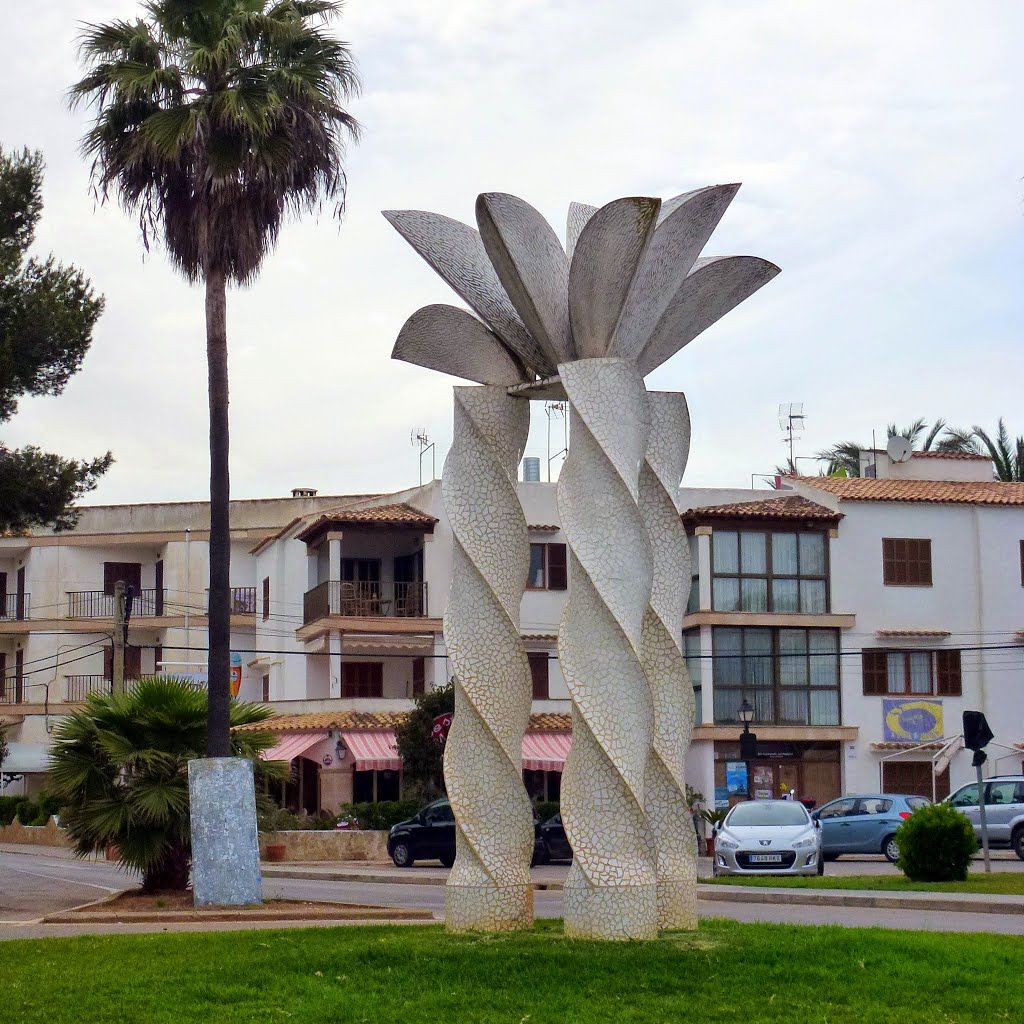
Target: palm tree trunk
[(218, 740)]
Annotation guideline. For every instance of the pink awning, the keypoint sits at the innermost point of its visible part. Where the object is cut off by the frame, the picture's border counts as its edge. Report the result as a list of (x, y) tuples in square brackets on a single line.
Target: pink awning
[(545, 751), (373, 751), (292, 745)]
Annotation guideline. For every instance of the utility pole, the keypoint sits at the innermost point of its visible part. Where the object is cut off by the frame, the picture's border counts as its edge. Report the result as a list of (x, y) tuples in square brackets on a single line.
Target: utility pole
[(119, 636)]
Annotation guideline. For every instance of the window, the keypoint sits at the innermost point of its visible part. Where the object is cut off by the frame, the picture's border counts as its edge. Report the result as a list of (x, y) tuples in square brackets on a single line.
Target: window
[(693, 601), (419, 672), (966, 797), (548, 567), (906, 562), (911, 672), (790, 676), (768, 571), (360, 570), (362, 679), (266, 688), (838, 809), (873, 805), (692, 651), (130, 572), (266, 598), (539, 674)]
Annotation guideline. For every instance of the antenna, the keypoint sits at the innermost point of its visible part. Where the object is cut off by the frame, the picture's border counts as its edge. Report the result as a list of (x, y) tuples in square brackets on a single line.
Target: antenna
[(418, 437), (791, 420), (557, 411)]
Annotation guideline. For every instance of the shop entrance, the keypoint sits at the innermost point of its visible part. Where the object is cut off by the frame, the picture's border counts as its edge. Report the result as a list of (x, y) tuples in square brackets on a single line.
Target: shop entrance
[(811, 770)]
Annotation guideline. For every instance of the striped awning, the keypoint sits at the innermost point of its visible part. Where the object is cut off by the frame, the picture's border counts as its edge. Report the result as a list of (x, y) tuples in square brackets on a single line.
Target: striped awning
[(545, 751), (292, 745), (373, 751)]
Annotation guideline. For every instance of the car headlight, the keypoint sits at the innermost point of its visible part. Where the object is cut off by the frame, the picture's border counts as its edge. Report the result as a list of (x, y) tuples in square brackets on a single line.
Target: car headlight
[(727, 842), (807, 841)]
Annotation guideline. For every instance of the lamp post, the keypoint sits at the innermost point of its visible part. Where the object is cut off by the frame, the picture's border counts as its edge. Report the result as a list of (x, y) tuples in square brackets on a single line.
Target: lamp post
[(748, 740)]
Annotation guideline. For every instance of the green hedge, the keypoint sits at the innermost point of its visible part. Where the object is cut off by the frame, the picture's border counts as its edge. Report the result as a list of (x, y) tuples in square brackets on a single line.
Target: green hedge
[(936, 844), (381, 815), (26, 810)]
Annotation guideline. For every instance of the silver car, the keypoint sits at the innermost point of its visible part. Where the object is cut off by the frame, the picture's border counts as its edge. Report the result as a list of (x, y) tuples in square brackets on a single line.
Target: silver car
[(1004, 810), (762, 837)]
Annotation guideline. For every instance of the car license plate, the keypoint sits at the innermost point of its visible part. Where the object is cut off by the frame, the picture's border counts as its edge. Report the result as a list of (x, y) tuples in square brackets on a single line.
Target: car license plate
[(765, 858)]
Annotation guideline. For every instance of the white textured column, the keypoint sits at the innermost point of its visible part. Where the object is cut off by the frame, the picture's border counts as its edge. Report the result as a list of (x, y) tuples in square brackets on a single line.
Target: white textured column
[(664, 663), (611, 889), (489, 888)]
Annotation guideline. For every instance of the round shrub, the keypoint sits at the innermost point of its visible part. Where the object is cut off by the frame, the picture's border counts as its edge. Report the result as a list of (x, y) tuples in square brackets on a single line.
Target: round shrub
[(936, 844)]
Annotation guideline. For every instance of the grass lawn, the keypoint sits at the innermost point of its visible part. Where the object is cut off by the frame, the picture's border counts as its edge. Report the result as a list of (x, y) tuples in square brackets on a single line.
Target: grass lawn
[(1001, 883), (727, 972)]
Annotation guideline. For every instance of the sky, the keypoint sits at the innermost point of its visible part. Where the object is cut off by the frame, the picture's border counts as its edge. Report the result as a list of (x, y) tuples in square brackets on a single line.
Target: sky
[(882, 163)]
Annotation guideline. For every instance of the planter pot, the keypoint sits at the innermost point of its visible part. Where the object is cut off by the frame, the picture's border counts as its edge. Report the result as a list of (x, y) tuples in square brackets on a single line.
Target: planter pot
[(276, 852), (711, 847), (113, 852)]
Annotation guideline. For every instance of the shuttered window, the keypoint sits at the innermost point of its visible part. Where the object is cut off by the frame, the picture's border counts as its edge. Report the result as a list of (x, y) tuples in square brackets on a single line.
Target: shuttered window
[(362, 679), (549, 568), (266, 598), (419, 667), (947, 664), (875, 673), (539, 674), (926, 673), (906, 562), (130, 572)]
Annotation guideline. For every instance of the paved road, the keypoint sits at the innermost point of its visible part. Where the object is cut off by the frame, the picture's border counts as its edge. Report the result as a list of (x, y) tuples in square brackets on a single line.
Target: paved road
[(31, 886)]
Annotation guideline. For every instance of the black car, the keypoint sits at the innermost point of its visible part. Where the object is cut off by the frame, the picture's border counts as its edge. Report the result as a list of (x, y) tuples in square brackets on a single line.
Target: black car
[(553, 841), (430, 835)]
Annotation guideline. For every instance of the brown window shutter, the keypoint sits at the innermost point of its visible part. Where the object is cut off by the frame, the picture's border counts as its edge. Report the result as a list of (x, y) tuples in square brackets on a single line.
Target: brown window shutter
[(873, 667), (3, 588), (132, 662), (539, 674), (266, 598), (19, 675), (947, 665), (418, 676), (4, 692), (924, 558), (108, 664), (558, 570)]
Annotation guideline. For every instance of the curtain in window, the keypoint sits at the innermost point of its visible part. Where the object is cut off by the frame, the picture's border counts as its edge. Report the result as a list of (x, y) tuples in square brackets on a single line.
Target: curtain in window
[(727, 651), (726, 594), (691, 644), (793, 707), (784, 554), (920, 672), (895, 666), (824, 663), (757, 659), (812, 554), (726, 551), (792, 657), (754, 595), (812, 595), (824, 707), (785, 596), (753, 553)]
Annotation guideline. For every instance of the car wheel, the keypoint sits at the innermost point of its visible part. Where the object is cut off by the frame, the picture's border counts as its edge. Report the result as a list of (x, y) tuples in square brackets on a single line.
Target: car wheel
[(402, 855), (447, 859), (890, 849), (1017, 842), (821, 866), (830, 857)]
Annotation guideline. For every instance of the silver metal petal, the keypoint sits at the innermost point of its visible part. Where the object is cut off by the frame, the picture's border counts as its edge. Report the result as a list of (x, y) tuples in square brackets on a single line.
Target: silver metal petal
[(575, 222), (605, 262), (532, 265), (451, 340), (454, 250), (714, 286), (669, 206), (674, 249)]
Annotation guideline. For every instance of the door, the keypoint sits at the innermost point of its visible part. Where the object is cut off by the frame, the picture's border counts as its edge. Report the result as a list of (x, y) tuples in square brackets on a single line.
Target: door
[(1000, 810), (408, 590), (437, 837), (836, 825), (965, 800), (19, 600), (871, 823), (158, 576)]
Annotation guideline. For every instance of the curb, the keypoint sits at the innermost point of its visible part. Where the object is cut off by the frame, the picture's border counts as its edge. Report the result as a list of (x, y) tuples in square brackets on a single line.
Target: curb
[(353, 913), (318, 875)]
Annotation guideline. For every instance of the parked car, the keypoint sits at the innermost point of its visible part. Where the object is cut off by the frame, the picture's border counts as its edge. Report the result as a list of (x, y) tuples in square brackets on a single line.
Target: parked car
[(430, 835), (1004, 810), (865, 823), (775, 837), (553, 841)]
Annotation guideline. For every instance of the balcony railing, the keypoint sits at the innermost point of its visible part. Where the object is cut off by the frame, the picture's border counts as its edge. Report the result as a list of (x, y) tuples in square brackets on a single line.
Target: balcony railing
[(12, 690), (14, 606), (243, 600), (96, 604), (79, 687), (373, 600)]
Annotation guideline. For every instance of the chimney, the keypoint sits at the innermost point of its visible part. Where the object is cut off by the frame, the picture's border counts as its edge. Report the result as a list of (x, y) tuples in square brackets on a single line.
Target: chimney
[(303, 492)]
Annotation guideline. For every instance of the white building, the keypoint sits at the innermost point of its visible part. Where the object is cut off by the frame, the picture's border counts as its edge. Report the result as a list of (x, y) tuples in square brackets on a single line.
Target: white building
[(833, 606)]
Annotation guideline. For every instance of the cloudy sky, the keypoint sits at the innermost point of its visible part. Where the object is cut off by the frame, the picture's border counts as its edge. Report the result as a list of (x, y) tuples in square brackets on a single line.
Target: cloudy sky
[(881, 156)]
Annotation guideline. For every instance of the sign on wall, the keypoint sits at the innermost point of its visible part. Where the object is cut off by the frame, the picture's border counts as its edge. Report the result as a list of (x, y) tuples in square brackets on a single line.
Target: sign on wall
[(913, 719), (736, 777)]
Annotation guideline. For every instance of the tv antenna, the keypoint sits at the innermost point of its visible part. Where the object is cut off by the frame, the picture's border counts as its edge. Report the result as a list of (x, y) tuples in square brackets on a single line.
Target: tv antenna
[(899, 449), (418, 438), (557, 411), (791, 421)]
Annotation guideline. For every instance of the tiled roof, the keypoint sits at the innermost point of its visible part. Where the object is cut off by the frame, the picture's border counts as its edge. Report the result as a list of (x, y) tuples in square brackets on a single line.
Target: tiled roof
[(399, 514), (911, 632), (375, 721), (951, 455), (789, 507), (906, 745), (545, 527), (952, 492)]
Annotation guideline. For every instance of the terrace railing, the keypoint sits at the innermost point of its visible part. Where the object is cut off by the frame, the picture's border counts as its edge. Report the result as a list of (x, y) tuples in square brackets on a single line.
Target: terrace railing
[(96, 604), (365, 599), (14, 606)]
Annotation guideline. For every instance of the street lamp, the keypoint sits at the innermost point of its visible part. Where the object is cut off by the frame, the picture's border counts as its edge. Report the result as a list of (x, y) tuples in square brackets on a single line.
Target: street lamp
[(748, 740)]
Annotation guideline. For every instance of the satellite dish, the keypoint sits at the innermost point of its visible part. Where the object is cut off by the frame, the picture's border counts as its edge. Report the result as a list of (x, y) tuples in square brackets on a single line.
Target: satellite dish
[(898, 449)]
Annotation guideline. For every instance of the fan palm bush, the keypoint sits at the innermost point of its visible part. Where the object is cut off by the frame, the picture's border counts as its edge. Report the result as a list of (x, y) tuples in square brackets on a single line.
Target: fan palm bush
[(120, 771)]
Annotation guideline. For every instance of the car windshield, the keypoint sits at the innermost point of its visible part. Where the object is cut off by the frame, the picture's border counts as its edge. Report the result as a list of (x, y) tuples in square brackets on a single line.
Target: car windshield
[(764, 813)]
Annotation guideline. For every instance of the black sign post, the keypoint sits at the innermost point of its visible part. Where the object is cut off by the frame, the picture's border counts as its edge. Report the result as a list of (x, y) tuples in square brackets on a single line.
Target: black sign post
[(977, 736)]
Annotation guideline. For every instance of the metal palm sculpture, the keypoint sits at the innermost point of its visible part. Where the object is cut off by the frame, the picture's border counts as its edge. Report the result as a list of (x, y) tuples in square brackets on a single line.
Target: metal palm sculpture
[(590, 320)]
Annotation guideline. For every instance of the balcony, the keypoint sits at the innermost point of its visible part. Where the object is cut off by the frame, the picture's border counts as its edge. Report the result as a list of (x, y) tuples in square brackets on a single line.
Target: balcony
[(365, 600), (79, 687), (12, 690), (97, 604), (14, 607), (242, 600)]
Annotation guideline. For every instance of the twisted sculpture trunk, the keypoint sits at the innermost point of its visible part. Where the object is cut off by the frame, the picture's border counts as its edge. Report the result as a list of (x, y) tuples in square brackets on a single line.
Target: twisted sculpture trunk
[(489, 887), (664, 663), (611, 889)]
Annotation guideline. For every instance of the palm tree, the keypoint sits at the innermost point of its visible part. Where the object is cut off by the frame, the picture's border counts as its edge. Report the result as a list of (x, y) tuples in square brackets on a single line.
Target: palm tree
[(843, 459), (214, 120), (120, 771), (1008, 455)]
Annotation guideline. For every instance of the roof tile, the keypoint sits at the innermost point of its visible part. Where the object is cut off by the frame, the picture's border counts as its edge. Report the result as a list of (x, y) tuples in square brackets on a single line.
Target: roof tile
[(788, 507), (374, 721), (951, 492)]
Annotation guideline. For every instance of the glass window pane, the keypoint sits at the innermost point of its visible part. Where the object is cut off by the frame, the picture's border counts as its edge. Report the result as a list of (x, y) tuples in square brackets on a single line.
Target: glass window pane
[(785, 597), (757, 660), (725, 594), (691, 645), (812, 595), (784, 554), (727, 704), (693, 601), (727, 664), (896, 665), (726, 551), (920, 672), (536, 577), (792, 660), (698, 706), (793, 706), (824, 707), (753, 554), (823, 641), (764, 705), (694, 560), (824, 660), (812, 554), (754, 595)]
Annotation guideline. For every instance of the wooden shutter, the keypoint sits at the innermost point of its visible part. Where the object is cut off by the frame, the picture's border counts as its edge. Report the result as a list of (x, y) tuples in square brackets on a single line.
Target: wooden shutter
[(19, 675), (4, 692), (20, 609), (362, 679), (947, 665), (539, 674), (266, 688), (130, 572), (266, 598), (3, 595), (906, 562), (418, 676), (558, 571), (132, 661), (108, 664), (158, 577), (875, 673)]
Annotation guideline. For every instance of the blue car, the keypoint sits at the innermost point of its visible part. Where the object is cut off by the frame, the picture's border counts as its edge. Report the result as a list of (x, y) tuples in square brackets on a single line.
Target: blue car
[(865, 824)]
